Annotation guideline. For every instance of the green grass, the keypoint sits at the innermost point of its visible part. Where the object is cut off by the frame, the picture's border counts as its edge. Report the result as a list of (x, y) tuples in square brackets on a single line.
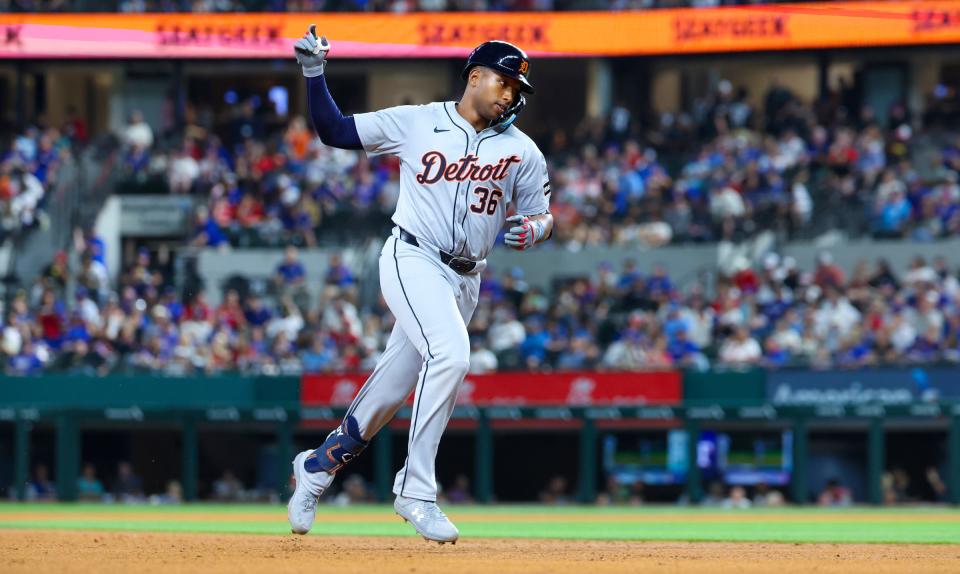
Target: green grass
[(858, 525)]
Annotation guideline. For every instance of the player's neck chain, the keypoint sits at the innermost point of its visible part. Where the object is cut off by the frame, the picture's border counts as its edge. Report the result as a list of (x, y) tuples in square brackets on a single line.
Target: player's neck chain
[(436, 166)]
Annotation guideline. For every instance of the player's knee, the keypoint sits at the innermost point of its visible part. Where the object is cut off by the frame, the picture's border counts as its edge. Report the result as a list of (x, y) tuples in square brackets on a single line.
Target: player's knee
[(460, 367), (453, 355), (454, 360)]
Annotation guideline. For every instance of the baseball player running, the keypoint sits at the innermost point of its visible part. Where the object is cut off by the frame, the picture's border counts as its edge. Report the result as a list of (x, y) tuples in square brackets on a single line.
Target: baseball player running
[(462, 164)]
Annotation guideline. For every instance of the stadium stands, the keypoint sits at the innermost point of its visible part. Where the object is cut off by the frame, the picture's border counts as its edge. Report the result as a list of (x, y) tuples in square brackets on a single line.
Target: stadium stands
[(722, 171), (777, 316), (28, 171)]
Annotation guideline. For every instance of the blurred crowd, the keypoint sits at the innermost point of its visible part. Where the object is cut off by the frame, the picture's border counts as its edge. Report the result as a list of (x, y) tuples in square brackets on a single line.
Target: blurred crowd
[(775, 315), (29, 170), (263, 183), (395, 6), (145, 325), (127, 487), (721, 170)]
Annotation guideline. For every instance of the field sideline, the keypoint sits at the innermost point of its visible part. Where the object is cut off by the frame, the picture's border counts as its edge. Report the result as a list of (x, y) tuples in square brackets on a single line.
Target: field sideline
[(925, 525)]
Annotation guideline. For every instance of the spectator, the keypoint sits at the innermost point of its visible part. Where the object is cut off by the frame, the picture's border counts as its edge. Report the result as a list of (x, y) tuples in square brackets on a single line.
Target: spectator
[(617, 493), (936, 484), (555, 491), (338, 273), (764, 496), (737, 499), (138, 133), (827, 272), (173, 494), (290, 277), (184, 170), (896, 487), (482, 359), (14, 333), (629, 353), (714, 496), (207, 233), (741, 349), (41, 488), (256, 314), (506, 333), (29, 361), (835, 494), (685, 352), (459, 493), (228, 488), (354, 492), (89, 487), (127, 487)]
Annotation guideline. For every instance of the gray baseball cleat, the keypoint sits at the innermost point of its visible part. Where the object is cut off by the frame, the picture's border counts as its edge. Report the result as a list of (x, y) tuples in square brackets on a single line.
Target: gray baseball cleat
[(302, 508), (427, 518)]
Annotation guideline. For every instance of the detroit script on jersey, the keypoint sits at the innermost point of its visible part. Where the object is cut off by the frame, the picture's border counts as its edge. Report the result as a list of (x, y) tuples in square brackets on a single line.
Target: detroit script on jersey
[(435, 166), (456, 184)]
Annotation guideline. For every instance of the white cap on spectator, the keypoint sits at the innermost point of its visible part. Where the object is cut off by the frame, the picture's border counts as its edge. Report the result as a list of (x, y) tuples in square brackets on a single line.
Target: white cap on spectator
[(771, 261)]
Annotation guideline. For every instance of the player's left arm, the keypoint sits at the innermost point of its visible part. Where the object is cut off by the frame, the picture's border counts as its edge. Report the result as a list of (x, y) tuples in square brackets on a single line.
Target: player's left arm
[(533, 222), (331, 125)]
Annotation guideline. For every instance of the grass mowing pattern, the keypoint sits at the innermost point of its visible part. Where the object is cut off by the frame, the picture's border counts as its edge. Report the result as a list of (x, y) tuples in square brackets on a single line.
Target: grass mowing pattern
[(861, 525)]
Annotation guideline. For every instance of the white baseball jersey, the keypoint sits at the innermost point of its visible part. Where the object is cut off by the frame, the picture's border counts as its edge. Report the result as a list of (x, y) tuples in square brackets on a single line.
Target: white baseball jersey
[(455, 183)]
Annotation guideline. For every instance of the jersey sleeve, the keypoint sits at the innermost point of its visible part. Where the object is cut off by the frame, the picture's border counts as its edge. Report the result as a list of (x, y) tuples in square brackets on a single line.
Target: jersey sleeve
[(386, 130), (532, 193)]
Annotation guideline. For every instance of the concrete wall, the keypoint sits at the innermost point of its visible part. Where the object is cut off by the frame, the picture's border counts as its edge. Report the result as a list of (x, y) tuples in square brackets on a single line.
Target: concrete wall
[(687, 264), (216, 267), (541, 266)]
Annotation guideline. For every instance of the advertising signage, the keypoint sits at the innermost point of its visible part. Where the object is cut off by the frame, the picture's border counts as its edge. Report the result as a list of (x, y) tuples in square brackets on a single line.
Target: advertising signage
[(887, 387), (428, 35), (525, 389)]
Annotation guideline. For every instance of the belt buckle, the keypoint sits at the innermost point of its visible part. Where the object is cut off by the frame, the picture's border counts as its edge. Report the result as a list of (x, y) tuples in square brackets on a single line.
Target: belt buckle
[(461, 264)]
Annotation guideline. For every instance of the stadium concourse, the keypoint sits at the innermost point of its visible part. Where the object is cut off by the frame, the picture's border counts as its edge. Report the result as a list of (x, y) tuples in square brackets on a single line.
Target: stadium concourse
[(721, 171)]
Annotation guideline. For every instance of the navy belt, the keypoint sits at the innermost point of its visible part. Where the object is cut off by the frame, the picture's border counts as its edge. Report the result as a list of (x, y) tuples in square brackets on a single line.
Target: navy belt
[(461, 265)]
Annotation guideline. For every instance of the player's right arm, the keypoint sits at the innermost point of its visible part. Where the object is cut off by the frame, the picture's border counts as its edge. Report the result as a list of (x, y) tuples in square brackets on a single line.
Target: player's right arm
[(331, 125), (380, 132)]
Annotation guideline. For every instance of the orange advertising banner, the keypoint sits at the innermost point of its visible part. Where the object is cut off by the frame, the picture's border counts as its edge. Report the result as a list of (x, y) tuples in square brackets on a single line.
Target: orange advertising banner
[(650, 32)]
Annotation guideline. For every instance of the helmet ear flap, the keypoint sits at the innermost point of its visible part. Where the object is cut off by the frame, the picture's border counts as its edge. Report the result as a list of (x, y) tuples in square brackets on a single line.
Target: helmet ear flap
[(507, 118)]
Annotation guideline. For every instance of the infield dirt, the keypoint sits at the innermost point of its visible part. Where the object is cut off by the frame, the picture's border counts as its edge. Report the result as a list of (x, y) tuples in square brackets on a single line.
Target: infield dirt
[(40, 552)]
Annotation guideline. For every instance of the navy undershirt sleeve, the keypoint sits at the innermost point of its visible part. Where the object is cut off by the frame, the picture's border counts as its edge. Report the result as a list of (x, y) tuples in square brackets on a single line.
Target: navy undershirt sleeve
[(333, 128)]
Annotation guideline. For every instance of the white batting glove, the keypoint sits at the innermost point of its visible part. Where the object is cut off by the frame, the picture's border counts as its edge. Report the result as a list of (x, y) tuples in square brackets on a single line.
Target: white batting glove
[(525, 234), (311, 54)]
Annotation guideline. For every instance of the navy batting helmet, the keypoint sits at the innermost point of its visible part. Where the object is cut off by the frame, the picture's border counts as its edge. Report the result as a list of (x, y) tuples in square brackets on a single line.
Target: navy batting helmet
[(502, 57)]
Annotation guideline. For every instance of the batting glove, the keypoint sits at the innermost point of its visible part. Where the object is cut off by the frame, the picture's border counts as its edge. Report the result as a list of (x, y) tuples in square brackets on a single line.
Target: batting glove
[(311, 54), (525, 234)]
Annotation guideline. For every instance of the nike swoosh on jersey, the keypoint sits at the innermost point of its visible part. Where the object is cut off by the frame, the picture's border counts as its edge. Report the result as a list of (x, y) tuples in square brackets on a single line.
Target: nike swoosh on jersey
[(437, 130)]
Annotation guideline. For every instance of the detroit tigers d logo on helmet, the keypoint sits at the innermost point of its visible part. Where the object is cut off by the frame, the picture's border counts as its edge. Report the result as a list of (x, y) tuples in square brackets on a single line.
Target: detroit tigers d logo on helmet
[(503, 57), (509, 60)]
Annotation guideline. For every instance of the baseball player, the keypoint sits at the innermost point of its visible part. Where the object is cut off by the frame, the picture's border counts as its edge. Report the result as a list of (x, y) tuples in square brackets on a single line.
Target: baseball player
[(462, 166)]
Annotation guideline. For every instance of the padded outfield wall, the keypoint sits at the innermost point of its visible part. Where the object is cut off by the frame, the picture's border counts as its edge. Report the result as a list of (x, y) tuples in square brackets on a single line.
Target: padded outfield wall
[(194, 428)]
